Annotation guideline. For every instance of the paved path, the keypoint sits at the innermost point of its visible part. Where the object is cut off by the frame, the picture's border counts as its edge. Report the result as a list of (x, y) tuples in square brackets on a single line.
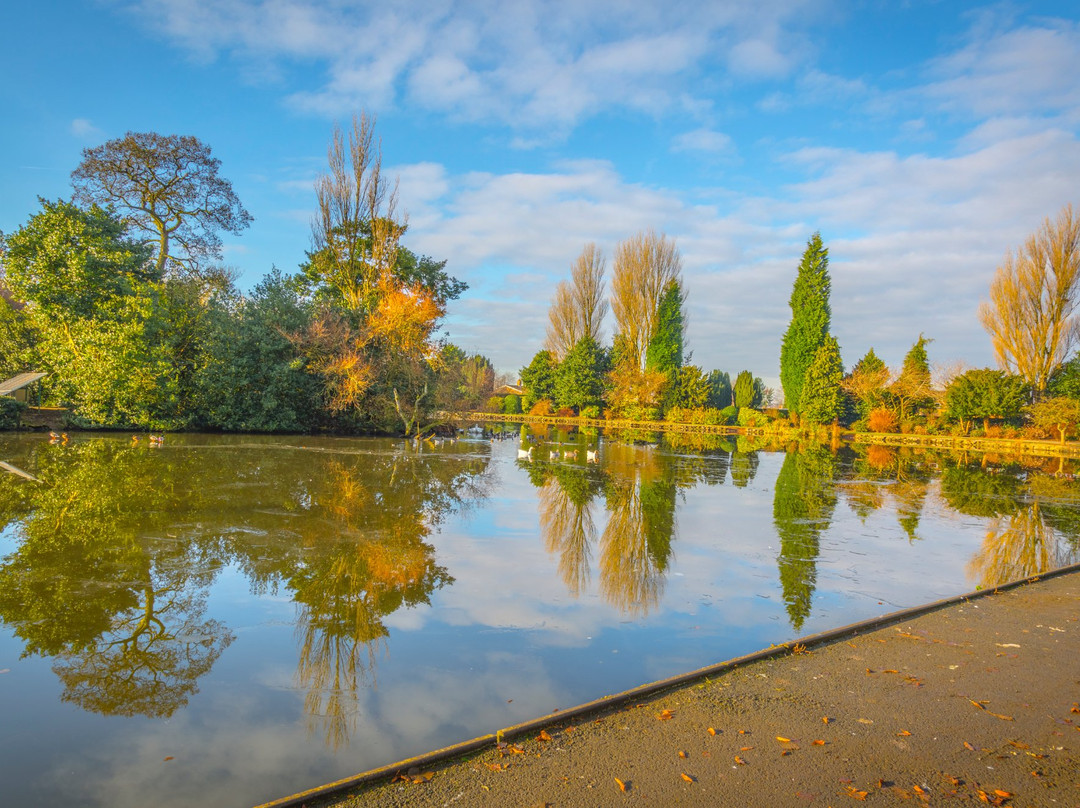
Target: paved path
[(976, 703)]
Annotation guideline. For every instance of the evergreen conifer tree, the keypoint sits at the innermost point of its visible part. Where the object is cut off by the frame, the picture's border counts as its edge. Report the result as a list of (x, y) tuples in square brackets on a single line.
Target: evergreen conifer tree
[(743, 392), (809, 326), (821, 395)]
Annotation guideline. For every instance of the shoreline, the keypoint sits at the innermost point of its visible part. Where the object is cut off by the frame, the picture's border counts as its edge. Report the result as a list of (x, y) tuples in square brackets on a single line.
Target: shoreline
[(468, 767)]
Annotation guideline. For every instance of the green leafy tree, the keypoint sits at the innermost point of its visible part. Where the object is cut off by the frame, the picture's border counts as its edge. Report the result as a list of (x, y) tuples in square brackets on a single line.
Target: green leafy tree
[(538, 378), (1059, 414), (251, 378), (97, 318), (665, 350), (1065, 381), (168, 187), (511, 404), (810, 316), (579, 381), (985, 394), (821, 396)]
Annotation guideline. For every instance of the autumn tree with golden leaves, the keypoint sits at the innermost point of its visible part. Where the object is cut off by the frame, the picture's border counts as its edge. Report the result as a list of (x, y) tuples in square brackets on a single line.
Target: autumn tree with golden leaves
[(1031, 315), (578, 308)]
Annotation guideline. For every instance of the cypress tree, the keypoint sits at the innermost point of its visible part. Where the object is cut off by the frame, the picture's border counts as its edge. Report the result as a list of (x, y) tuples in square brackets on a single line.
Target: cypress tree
[(809, 326), (665, 351), (743, 395), (821, 397)]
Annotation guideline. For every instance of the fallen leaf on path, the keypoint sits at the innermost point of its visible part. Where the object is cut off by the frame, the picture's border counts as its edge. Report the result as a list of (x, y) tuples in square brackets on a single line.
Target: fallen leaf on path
[(621, 785), (712, 731), (740, 761), (666, 715), (544, 735), (497, 767), (1019, 745), (170, 757), (786, 752), (687, 777), (890, 670), (969, 746), (744, 732), (826, 720), (855, 794), (682, 754), (1075, 707), (745, 748), (903, 733), (819, 743), (865, 721)]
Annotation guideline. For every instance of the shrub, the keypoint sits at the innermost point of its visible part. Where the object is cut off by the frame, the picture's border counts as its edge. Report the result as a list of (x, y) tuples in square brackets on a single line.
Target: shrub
[(881, 420), (494, 404), (729, 414), (592, 411), (10, 413), (511, 404), (752, 418), (541, 407), (566, 412)]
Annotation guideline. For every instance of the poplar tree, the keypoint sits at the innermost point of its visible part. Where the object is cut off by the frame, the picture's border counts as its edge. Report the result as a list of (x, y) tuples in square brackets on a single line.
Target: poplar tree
[(809, 326)]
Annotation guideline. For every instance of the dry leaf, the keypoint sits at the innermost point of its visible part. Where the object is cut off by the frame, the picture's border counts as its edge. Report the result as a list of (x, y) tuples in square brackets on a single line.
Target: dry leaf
[(1075, 708), (783, 739), (544, 735), (1001, 793), (682, 754), (686, 777), (865, 721), (854, 793), (890, 670), (918, 790), (819, 743), (497, 767), (745, 748), (665, 715), (1019, 745), (712, 731), (170, 757), (743, 732), (785, 753), (903, 733), (826, 720), (620, 784), (969, 746), (740, 761)]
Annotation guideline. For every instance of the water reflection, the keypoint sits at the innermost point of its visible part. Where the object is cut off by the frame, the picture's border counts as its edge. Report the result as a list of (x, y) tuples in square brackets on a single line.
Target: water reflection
[(119, 545), (803, 505)]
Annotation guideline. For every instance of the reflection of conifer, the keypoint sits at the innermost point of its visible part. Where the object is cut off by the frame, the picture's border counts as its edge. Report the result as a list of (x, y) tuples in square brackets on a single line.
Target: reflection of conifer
[(744, 466), (658, 513), (802, 510)]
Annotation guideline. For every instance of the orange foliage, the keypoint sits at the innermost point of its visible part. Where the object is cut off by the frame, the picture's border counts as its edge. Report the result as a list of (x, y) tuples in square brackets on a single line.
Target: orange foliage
[(881, 420), (405, 318), (541, 407), (880, 457)]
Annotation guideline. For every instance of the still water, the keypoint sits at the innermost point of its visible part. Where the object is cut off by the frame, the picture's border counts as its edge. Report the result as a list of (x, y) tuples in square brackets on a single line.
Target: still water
[(227, 620)]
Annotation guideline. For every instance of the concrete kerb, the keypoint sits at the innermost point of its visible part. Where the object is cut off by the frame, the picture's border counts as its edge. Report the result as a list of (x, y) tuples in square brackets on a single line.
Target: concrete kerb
[(619, 699)]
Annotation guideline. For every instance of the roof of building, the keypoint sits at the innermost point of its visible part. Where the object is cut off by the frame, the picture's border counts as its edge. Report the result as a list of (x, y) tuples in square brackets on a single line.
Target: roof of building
[(18, 382)]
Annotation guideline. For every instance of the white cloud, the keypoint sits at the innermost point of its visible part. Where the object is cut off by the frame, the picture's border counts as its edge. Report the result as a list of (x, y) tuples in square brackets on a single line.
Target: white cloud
[(84, 129), (530, 64), (703, 140)]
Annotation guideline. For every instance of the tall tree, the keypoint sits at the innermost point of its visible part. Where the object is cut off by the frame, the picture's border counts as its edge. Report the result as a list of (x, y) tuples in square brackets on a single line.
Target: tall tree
[(538, 378), (357, 229), (810, 315), (1031, 316), (645, 265), (578, 308), (985, 394), (720, 389), (821, 396), (168, 187), (579, 380), (866, 383)]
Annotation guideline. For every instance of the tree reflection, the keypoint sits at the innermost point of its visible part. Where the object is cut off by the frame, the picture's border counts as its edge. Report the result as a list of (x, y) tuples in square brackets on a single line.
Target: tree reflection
[(803, 506), (119, 544), (121, 614), (1038, 534)]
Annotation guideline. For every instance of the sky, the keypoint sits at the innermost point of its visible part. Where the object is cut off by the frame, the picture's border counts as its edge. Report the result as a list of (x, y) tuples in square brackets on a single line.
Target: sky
[(922, 139)]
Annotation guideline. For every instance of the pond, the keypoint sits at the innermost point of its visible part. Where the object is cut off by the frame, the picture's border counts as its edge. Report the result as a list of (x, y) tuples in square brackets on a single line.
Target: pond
[(224, 620)]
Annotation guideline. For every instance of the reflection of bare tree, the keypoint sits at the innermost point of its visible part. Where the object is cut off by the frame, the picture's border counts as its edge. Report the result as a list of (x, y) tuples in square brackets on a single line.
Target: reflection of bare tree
[(1020, 546), (150, 660), (568, 530)]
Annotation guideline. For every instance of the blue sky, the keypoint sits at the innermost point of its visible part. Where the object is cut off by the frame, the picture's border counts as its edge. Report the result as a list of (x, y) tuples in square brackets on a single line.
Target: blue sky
[(923, 139)]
